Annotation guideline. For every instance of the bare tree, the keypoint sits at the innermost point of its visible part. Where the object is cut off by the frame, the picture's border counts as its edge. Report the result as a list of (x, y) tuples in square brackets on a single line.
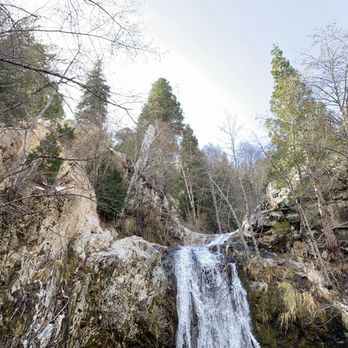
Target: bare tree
[(69, 35), (79, 33), (327, 70), (233, 211), (309, 233)]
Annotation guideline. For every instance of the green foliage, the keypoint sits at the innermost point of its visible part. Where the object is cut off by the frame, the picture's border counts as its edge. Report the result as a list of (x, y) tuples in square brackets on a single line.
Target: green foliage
[(65, 132), (281, 72), (281, 226), (193, 184), (24, 92), (190, 165), (162, 106), (192, 158), (299, 122), (189, 145), (111, 192), (126, 142), (55, 111), (163, 111), (302, 135), (94, 102), (47, 154)]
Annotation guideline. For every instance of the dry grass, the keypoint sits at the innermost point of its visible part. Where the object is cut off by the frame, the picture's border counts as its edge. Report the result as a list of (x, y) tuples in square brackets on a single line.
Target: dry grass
[(258, 272), (296, 306)]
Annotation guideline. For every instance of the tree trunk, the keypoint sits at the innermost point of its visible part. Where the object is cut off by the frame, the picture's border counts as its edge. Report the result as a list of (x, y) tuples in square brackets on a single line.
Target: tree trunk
[(190, 196), (140, 165), (325, 216), (217, 214), (239, 224)]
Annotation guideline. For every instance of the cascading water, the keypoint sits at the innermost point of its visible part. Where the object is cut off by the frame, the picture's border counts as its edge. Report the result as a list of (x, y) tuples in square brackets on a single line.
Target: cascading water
[(212, 306)]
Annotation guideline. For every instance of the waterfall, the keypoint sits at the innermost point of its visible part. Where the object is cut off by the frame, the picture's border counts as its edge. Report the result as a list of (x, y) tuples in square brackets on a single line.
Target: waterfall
[(212, 306)]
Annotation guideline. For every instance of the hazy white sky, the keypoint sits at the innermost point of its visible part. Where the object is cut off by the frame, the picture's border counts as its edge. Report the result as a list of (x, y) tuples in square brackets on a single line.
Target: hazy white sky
[(218, 53)]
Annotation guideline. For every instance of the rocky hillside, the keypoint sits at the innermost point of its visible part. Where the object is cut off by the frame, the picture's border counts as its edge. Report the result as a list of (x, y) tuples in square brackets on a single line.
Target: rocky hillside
[(69, 279), (72, 279), (295, 300)]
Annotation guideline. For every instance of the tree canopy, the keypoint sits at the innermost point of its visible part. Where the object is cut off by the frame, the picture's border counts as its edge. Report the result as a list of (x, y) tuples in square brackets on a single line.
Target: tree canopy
[(93, 106), (26, 93), (162, 106)]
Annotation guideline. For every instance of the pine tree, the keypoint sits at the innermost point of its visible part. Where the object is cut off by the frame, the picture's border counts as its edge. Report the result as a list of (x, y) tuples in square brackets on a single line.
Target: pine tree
[(281, 71), (93, 105), (298, 119), (24, 92), (300, 123), (125, 141), (164, 112), (162, 106), (195, 195), (188, 164)]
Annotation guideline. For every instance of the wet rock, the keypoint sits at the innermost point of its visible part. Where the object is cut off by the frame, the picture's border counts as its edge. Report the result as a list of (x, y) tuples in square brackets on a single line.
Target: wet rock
[(269, 255), (72, 283), (129, 298), (290, 306)]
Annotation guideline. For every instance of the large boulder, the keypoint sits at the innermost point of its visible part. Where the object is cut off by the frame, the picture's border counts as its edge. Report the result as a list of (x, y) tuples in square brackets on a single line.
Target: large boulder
[(130, 300), (66, 281), (12, 143), (291, 304)]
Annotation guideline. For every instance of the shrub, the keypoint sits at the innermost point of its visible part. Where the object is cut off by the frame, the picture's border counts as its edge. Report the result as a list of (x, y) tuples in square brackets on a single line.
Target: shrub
[(47, 156), (111, 192)]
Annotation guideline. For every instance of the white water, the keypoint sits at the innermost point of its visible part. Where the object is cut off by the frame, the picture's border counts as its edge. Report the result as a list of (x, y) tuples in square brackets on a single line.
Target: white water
[(212, 306)]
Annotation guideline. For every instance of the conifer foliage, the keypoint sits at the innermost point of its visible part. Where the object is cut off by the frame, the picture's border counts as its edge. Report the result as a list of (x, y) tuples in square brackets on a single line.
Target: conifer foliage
[(162, 106), (164, 112), (93, 107), (25, 93), (300, 131), (193, 178)]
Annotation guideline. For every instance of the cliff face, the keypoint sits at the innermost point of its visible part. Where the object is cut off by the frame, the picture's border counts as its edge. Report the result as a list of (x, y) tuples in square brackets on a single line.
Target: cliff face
[(293, 303), (131, 296), (66, 281), (69, 280)]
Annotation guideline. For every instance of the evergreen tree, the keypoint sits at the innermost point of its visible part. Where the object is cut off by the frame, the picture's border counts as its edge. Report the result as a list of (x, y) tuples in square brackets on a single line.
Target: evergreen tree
[(93, 105), (24, 93), (125, 139), (281, 71), (195, 200), (299, 125), (287, 124), (162, 106), (110, 191), (163, 111), (298, 120)]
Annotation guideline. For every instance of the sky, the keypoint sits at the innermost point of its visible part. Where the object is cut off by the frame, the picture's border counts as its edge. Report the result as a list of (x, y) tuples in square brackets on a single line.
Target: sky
[(217, 55)]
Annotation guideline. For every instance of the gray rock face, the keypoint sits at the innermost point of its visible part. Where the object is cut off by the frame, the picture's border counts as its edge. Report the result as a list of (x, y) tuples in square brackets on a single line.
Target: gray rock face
[(68, 282), (129, 300), (120, 297)]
